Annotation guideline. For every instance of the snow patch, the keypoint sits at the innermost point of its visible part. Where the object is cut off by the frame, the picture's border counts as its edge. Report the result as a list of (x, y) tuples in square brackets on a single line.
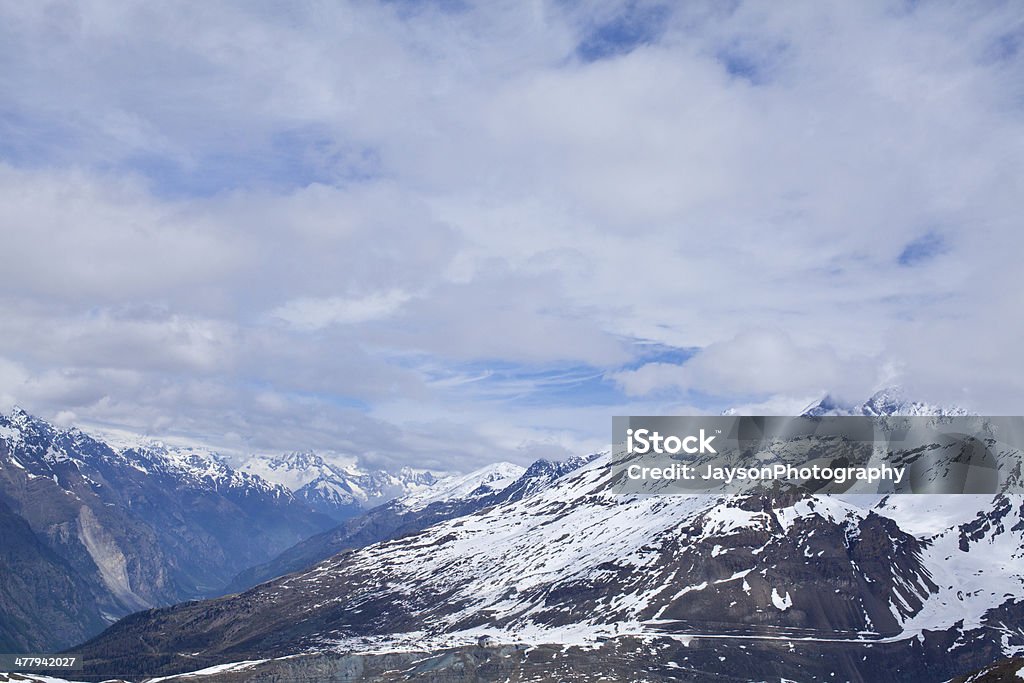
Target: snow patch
[(781, 602)]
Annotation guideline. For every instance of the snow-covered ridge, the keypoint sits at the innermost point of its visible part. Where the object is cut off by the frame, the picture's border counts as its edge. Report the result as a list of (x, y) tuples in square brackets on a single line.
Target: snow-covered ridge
[(328, 485), (337, 486), (201, 467), (293, 470), (42, 446), (482, 482), (333, 485)]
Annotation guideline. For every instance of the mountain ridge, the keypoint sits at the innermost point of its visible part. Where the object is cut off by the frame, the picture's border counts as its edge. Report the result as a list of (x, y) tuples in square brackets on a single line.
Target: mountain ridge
[(816, 585), (338, 490)]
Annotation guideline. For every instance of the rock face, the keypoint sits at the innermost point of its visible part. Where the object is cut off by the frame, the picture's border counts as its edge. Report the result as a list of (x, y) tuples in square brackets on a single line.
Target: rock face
[(1008, 670), (42, 598), (135, 528)]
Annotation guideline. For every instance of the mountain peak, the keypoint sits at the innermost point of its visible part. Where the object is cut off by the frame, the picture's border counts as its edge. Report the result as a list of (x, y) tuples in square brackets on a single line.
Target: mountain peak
[(486, 480), (297, 460), (19, 417), (888, 401), (333, 486)]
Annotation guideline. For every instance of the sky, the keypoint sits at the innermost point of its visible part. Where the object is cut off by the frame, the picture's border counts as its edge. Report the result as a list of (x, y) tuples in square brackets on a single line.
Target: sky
[(444, 233)]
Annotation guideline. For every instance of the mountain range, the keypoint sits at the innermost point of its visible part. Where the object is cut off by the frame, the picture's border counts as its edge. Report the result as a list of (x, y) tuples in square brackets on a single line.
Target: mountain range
[(339, 491), (449, 498), (561, 578), (542, 573), (94, 532)]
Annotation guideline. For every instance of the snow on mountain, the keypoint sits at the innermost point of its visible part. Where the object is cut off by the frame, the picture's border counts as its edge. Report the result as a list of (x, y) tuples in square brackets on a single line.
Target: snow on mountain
[(973, 544), (482, 482), (888, 401), (449, 498), (143, 526), (577, 564), (338, 489), (977, 566), (193, 466), (720, 584), (292, 470), (200, 468)]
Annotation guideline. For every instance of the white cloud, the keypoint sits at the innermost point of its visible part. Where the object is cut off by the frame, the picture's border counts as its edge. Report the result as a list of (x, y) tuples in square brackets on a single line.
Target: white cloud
[(409, 187), (12, 382), (762, 362), (309, 313)]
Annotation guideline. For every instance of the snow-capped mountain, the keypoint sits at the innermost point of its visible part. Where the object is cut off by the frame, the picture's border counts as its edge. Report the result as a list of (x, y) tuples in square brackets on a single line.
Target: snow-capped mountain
[(338, 490), (200, 468), (888, 401), (479, 483), (43, 446), (139, 526), (574, 580), (755, 581)]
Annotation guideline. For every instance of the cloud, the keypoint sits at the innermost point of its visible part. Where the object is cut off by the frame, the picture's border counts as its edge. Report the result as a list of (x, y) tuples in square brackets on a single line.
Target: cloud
[(755, 363), (12, 382), (316, 313), (281, 228)]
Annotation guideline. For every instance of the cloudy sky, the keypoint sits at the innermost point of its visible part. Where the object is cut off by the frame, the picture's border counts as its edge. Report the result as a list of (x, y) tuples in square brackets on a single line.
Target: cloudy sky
[(446, 233)]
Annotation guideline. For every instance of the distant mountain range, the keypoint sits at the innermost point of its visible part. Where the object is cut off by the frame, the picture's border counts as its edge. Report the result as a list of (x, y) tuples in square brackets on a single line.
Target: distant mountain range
[(93, 532), (339, 491), (449, 498), (553, 575)]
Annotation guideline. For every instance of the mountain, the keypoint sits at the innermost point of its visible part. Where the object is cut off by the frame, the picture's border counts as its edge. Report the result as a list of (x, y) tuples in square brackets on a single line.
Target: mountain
[(136, 527), (888, 401), (559, 576), (757, 581), (478, 484), (448, 498), (339, 491)]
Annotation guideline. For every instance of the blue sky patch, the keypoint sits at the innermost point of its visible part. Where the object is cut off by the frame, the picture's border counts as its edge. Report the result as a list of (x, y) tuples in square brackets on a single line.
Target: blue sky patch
[(633, 27), (922, 250)]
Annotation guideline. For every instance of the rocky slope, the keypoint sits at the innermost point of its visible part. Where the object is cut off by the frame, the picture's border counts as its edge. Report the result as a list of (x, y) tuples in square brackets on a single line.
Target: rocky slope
[(42, 598)]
